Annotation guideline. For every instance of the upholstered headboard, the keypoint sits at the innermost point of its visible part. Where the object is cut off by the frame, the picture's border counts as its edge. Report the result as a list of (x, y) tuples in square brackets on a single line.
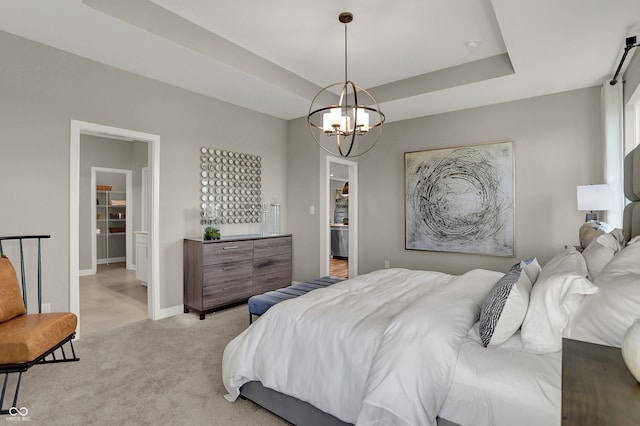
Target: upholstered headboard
[(631, 220)]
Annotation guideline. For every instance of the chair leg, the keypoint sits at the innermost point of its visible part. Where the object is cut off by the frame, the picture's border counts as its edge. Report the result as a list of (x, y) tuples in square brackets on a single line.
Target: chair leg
[(21, 368), (4, 391)]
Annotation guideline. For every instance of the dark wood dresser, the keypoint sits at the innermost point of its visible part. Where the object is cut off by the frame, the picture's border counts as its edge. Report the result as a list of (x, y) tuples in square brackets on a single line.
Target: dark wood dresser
[(232, 269), (597, 387)]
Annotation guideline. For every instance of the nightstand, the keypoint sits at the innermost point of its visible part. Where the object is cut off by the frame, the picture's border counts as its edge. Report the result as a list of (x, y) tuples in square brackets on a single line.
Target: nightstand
[(597, 387)]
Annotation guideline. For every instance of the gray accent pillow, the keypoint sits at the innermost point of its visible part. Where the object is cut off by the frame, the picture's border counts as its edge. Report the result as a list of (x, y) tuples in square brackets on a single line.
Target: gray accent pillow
[(504, 308)]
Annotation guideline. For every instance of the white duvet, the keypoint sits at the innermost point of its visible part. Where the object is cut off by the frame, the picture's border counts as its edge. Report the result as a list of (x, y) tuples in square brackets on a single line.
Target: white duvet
[(505, 385), (377, 349)]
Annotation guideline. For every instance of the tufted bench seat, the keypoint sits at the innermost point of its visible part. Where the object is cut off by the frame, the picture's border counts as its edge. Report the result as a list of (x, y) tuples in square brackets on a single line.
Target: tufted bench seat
[(259, 304)]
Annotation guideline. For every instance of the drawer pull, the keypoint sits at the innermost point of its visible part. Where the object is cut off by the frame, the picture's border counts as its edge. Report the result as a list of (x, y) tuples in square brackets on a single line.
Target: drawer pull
[(229, 268), (229, 248)]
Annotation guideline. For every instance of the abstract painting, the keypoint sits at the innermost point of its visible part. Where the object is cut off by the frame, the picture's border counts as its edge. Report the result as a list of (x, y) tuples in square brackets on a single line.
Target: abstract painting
[(461, 199)]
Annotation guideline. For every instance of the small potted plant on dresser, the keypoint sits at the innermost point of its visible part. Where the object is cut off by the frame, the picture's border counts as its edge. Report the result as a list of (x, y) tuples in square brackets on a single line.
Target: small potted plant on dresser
[(211, 233)]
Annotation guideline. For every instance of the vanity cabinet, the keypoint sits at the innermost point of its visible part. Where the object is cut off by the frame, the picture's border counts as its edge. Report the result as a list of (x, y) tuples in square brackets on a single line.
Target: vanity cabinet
[(232, 269)]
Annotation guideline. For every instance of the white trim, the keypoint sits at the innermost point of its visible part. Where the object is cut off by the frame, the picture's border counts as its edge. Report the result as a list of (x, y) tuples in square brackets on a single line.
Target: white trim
[(170, 312), (144, 179), (632, 122), (325, 214), (85, 272), (105, 261), (76, 129), (353, 225)]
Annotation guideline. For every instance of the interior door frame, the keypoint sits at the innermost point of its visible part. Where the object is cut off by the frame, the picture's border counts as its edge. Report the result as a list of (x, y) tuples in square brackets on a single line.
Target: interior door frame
[(325, 219), (153, 161)]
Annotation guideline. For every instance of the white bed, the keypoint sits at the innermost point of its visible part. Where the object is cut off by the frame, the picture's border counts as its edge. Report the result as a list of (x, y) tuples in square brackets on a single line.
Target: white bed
[(402, 347), (382, 345)]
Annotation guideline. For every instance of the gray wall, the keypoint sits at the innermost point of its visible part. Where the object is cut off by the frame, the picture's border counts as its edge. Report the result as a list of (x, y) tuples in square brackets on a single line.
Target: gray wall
[(42, 89), (303, 170), (557, 146)]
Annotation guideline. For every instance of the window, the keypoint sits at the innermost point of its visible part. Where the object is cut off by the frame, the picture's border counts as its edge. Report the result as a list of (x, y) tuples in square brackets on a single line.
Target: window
[(632, 122)]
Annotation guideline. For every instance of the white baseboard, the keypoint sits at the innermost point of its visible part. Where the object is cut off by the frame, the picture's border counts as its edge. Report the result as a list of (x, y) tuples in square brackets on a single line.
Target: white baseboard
[(170, 312), (84, 272), (104, 261)]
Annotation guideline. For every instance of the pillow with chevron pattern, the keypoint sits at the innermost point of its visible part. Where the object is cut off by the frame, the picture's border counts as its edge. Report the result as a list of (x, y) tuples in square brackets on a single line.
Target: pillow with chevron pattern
[(504, 308)]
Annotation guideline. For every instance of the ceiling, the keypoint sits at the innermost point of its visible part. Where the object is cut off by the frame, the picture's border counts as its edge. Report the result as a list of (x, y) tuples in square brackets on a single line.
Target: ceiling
[(274, 56)]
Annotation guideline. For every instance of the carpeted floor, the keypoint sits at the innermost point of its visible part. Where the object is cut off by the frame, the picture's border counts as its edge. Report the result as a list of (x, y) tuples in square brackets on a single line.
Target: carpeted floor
[(165, 372)]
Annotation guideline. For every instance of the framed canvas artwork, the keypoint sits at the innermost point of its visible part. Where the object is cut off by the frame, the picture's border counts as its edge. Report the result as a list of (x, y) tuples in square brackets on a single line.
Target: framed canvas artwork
[(461, 199)]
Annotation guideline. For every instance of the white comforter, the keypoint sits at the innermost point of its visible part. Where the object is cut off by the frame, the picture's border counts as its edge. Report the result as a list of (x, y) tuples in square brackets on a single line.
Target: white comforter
[(506, 385), (377, 349)]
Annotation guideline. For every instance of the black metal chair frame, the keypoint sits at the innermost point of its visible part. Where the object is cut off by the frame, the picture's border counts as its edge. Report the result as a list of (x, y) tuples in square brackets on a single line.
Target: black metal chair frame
[(19, 368)]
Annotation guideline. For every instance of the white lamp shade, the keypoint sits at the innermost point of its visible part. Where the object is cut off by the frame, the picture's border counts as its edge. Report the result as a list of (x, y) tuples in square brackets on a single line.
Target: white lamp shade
[(363, 120), (594, 197)]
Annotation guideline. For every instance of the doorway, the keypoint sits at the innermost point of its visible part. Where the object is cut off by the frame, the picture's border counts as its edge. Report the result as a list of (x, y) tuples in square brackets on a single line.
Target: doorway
[(339, 220), (110, 293), (340, 196), (78, 128)]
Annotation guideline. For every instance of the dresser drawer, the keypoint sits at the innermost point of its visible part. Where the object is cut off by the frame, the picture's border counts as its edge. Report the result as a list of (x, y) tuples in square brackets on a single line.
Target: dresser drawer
[(272, 247), (226, 283), (272, 264), (271, 273), (225, 273), (222, 295), (232, 251)]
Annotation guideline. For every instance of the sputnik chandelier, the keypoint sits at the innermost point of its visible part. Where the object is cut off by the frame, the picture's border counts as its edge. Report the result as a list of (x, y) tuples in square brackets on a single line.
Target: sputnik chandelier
[(353, 125)]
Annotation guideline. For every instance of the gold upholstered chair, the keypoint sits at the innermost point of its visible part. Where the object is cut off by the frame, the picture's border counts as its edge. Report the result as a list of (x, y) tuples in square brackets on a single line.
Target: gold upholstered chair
[(27, 339)]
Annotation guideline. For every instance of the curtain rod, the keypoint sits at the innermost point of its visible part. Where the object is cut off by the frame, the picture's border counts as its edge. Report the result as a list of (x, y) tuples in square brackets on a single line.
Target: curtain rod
[(630, 43)]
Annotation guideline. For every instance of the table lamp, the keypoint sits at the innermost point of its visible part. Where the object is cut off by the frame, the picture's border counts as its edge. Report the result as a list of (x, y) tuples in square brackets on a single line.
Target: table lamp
[(593, 198)]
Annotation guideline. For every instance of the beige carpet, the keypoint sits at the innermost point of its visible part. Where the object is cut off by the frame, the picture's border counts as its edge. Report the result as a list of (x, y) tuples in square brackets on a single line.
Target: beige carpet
[(165, 372)]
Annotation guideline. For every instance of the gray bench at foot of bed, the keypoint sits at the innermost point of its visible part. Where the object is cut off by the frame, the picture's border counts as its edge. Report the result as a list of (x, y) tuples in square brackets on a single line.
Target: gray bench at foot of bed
[(261, 303)]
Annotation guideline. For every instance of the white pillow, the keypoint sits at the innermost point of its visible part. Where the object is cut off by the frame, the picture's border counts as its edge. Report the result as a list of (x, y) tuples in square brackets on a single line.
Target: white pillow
[(601, 251), (555, 298), (604, 317), (532, 268), (568, 260), (504, 308)]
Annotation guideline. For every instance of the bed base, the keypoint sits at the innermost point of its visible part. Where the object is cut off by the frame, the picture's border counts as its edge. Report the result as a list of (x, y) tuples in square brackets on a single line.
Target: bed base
[(289, 408), (295, 411)]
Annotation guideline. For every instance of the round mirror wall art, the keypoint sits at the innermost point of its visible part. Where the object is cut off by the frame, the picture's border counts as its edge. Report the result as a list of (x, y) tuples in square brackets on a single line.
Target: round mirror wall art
[(217, 163)]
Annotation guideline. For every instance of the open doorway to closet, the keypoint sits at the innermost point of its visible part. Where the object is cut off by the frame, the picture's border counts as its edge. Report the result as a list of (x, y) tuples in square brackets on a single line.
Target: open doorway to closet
[(339, 220), (77, 130), (341, 217), (112, 289)]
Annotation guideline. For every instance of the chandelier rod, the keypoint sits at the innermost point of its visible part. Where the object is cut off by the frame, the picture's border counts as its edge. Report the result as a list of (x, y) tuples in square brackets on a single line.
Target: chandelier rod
[(345, 52)]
